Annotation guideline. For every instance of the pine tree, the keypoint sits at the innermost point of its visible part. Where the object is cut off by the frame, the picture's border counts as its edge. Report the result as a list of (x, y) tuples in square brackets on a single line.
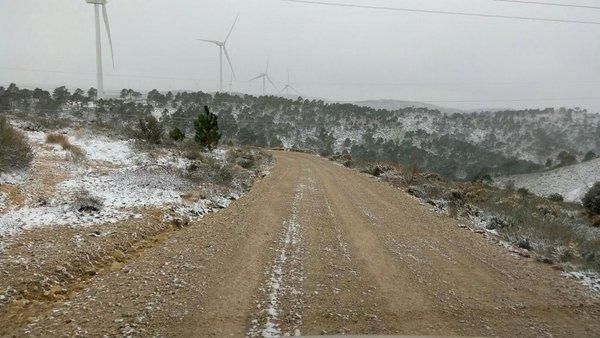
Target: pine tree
[(207, 129), (176, 134)]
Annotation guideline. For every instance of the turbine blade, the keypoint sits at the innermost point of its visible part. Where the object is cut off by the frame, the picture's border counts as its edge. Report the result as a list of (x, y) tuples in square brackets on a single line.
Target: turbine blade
[(272, 84), (257, 77), (105, 15), (231, 29), (297, 92), (229, 61), (210, 41), (284, 88)]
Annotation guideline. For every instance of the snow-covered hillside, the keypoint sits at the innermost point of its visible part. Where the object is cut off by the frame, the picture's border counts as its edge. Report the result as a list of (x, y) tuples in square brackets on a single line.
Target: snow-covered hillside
[(115, 179), (571, 182)]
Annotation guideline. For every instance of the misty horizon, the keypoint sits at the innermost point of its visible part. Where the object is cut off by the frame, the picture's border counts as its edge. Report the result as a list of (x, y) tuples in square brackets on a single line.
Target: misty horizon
[(338, 54)]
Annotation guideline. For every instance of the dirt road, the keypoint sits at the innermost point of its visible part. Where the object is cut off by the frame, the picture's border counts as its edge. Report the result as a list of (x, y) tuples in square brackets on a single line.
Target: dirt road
[(317, 248)]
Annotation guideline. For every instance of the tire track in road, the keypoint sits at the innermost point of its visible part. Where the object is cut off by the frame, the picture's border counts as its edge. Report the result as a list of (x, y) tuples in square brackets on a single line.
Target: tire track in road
[(280, 305), (339, 299)]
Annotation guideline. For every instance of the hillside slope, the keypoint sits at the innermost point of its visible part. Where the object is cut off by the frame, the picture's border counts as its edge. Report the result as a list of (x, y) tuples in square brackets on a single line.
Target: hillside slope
[(459, 146), (392, 105), (572, 182)]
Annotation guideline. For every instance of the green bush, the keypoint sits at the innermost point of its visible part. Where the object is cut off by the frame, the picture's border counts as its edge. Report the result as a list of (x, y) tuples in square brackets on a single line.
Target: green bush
[(150, 130), (591, 200), (556, 197), (176, 135), (15, 152), (207, 129)]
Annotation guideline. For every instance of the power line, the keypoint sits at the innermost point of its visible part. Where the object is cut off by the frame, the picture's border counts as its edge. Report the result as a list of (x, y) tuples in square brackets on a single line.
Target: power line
[(549, 4), (107, 75), (497, 16)]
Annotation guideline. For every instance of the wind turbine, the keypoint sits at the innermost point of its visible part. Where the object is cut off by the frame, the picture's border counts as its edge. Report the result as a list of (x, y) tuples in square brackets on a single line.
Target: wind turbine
[(223, 49), (288, 86), (265, 77), (97, 4)]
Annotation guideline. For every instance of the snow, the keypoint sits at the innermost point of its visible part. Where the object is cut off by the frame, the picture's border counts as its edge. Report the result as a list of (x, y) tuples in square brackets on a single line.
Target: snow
[(572, 182), (2, 200), (102, 149), (285, 277), (587, 278), (130, 188), (64, 214), (17, 177), (134, 180)]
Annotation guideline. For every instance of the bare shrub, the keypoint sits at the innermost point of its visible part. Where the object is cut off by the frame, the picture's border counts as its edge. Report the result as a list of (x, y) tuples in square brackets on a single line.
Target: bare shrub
[(84, 201), (15, 152), (77, 154), (244, 157), (59, 139)]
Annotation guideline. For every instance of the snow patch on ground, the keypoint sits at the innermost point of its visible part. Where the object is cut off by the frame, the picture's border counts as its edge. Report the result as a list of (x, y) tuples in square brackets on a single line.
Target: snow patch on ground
[(285, 278), (571, 182), (16, 177), (103, 149), (130, 188), (587, 278), (2, 200), (135, 180), (63, 214)]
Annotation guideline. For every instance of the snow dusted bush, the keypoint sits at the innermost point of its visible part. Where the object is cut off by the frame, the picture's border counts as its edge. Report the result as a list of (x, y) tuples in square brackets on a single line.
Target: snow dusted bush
[(591, 200), (242, 157), (75, 153), (84, 201), (151, 130), (15, 152), (556, 197), (509, 185), (57, 139)]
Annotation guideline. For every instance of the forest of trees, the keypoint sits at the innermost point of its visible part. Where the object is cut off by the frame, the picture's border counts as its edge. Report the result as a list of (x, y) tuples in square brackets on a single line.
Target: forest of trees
[(462, 146)]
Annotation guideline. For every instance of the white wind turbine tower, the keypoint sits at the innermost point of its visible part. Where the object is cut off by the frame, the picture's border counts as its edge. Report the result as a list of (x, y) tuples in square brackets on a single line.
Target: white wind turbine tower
[(223, 49), (265, 77), (97, 4), (288, 86)]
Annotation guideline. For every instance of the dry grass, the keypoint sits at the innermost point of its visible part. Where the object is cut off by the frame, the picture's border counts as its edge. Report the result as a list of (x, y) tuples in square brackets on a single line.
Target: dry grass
[(62, 140), (15, 152), (57, 139)]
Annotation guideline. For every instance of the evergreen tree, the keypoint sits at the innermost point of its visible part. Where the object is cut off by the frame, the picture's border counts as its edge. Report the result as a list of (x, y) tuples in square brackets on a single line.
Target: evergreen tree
[(591, 200), (61, 95), (151, 130), (92, 94), (590, 155), (207, 129), (176, 134)]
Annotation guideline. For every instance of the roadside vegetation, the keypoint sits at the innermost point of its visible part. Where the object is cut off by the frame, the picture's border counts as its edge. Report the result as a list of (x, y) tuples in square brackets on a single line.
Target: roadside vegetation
[(547, 228), (76, 153), (15, 152)]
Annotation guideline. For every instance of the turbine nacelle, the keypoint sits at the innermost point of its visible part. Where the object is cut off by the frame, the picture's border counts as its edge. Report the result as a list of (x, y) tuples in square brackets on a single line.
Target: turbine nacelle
[(96, 2)]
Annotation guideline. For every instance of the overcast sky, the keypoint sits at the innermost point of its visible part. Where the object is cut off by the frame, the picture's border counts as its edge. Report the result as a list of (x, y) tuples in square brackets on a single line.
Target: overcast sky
[(330, 52)]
